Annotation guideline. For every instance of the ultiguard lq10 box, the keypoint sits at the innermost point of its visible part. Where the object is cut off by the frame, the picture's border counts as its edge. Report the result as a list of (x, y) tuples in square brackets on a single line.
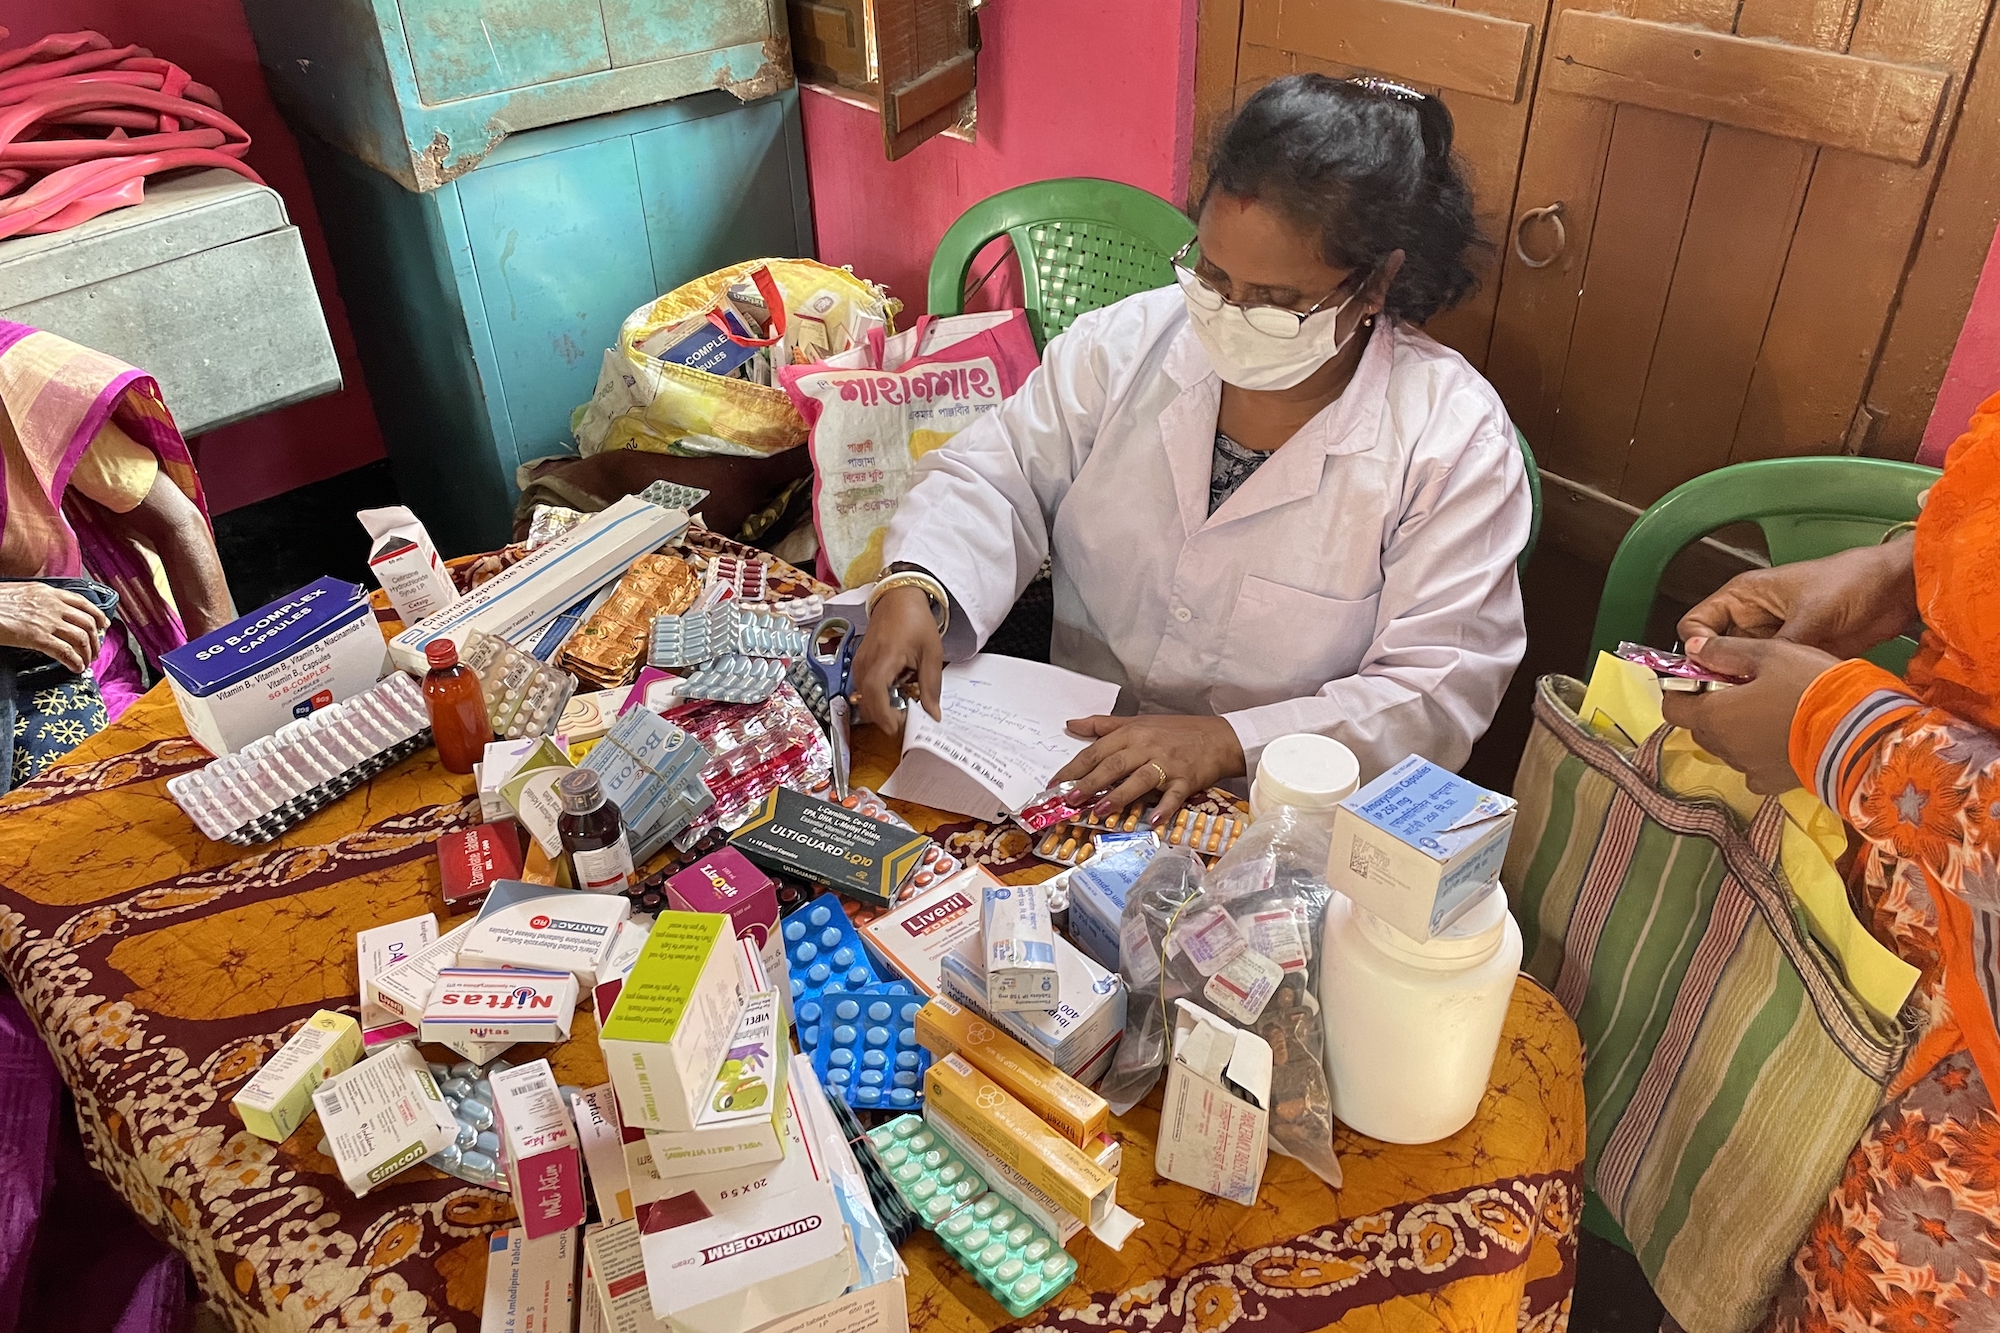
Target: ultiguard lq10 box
[(280, 662)]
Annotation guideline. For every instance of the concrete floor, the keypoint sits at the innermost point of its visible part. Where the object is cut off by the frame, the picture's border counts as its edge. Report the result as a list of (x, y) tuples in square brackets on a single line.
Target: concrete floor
[(270, 548)]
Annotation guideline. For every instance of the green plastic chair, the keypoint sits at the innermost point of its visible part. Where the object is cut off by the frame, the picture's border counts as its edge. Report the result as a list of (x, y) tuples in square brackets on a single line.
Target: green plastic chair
[(1083, 243), (1807, 508)]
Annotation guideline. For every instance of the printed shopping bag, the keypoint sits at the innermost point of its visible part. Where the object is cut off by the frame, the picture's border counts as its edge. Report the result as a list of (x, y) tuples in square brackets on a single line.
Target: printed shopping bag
[(642, 402), (1729, 1071), (876, 410)]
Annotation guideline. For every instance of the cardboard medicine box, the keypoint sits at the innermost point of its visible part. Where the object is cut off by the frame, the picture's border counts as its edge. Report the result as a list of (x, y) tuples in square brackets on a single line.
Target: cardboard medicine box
[(544, 1168), (530, 1282), (1020, 944), (279, 1096), (382, 1117), (915, 937), (1418, 845), (535, 926), (471, 861), (825, 842), (300, 653), (725, 881), (1079, 1036), (673, 1018), (742, 1116), (945, 1027), (1216, 1119), (471, 1008)]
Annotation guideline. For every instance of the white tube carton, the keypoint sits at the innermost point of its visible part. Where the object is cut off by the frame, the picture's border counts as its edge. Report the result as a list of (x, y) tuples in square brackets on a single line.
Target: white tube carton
[(530, 1282), (382, 1117), (595, 1112), (404, 562), (1020, 948), (535, 926)]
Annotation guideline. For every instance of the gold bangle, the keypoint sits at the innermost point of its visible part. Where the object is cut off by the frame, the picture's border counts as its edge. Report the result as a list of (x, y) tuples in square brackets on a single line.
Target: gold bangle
[(932, 590), (1909, 525)]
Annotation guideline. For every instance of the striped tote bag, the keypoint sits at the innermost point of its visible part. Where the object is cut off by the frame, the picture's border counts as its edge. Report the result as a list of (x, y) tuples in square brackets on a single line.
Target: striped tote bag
[(1728, 1071)]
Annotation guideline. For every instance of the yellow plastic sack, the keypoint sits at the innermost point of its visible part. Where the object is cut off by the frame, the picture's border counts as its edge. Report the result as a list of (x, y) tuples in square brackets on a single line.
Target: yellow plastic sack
[(1624, 698), (643, 403)]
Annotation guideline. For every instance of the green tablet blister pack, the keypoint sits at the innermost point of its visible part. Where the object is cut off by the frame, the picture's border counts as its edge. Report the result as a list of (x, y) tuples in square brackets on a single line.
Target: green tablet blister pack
[(1010, 1255)]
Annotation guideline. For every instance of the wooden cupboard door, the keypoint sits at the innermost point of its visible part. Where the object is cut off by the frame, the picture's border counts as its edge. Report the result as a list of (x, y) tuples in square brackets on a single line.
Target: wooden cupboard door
[(1479, 55), (1742, 185)]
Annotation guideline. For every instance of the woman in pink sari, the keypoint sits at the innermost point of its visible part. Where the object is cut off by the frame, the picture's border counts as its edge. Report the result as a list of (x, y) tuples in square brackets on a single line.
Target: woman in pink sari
[(99, 486)]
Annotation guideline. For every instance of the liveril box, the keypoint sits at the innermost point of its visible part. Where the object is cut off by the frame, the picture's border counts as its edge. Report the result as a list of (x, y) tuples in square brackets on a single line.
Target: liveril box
[(1418, 845), (280, 662)]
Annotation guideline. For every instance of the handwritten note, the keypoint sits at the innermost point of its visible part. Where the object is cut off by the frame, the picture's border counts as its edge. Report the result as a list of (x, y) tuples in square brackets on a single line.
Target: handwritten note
[(1001, 738)]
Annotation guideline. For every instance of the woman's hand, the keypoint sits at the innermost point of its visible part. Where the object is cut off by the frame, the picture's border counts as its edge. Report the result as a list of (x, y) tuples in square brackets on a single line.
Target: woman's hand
[(1132, 756), (51, 620), (902, 636), (1749, 727), (1845, 603)]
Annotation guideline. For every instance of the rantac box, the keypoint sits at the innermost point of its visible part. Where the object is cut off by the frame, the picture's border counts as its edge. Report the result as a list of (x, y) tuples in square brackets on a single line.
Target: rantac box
[(915, 937), (535, 926), (544, 1168), (1418, 845), (279, 1097), (823, 841), (673, 1019), (382, 1117), (280, 662), (948, 1028), (492, 1005), (471, 861)]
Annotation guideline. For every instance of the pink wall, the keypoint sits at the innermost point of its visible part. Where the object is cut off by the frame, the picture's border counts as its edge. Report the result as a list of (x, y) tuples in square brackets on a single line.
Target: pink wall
[(1066, 88), (308, 441), (1974, 373)]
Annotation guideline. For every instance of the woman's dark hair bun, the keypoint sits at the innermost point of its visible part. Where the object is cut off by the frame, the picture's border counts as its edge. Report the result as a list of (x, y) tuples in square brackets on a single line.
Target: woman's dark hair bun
[(1368, 165)]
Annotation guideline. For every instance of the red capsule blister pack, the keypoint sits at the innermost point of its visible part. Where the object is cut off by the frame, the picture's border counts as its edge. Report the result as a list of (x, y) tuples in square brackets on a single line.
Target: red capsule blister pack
[(1676, 667)]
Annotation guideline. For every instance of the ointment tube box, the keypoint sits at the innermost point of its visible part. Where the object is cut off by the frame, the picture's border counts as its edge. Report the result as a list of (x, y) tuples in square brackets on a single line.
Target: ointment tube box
[(946, 1027), (381, 948), (673, 1019), (280, 1095), (485, 1006), (1020, 948), (1009, 1183), (991, 1117), (530, 1282), (544, 1168), (404, 990), (382, 1117)]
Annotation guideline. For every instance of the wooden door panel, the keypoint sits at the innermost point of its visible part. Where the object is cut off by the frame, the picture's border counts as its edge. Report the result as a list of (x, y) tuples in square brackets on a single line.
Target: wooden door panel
[(1427, 44), (1877, 107)]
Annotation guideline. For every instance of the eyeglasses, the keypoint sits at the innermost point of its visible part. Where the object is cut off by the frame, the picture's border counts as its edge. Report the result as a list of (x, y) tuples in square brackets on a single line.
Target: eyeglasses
[(1274, 320)]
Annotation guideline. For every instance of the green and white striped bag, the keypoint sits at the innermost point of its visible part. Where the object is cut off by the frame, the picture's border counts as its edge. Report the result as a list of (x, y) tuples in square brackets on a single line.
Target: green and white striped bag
[(1728, 1071)]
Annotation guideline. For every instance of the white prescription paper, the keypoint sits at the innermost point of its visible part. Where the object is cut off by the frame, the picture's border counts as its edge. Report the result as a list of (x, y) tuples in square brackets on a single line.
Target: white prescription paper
[(1002, 737)]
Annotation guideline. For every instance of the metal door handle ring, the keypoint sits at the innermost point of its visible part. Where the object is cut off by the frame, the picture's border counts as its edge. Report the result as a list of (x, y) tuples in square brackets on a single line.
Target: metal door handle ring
[(1554, 213)]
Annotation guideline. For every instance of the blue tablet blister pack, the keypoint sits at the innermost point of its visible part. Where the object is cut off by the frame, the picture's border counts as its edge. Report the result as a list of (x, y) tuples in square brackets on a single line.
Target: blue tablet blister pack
[(825, 952), (864, 1045)]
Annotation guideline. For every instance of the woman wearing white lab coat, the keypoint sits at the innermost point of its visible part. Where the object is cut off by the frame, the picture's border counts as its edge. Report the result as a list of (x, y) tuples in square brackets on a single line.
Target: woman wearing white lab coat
[(1271, 503)]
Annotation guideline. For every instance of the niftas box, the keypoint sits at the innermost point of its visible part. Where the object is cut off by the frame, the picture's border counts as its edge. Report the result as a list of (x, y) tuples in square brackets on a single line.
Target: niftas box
[(735, 1249), (672, 1020), (280, 662), (382, 1117), (279, 1097), (485, 1006), (825, 842), (1418, 845), (1216, 1119), (544, 1168), (915, 937)]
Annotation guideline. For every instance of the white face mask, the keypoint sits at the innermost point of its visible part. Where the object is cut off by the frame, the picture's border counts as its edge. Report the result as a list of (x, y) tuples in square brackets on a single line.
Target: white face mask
[(1253, 358)]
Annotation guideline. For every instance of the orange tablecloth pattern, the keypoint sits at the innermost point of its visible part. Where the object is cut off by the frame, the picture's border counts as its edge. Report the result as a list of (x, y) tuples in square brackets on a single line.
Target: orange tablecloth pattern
[(162, 968)]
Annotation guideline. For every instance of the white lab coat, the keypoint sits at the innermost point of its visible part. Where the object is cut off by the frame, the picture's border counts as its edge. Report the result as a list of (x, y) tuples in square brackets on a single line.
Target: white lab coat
[(1360, 583)]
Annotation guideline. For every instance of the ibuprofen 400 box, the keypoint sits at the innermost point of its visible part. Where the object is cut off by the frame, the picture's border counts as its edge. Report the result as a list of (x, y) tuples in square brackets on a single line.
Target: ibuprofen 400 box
[(280, 662)]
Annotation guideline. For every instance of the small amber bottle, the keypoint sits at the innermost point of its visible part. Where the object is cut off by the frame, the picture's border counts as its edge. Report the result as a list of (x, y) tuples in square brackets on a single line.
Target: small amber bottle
[(457, 705), (593, 835)]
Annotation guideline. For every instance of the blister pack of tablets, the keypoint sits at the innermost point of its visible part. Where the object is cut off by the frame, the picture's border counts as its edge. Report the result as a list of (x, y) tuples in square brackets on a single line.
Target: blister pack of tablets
[(1012, 1257), (864, 1045), (823, 951), (1205, 834), (673, 495), (275, 782), (736, 679), (701, 636), (524, 696)]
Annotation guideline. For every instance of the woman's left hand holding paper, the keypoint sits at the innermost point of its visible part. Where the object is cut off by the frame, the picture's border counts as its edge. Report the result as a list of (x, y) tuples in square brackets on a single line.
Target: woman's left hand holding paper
[(1133, 757)]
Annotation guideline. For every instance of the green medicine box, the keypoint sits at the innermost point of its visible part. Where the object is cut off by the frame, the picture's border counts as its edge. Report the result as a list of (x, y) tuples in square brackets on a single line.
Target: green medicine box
[(671, 1024)]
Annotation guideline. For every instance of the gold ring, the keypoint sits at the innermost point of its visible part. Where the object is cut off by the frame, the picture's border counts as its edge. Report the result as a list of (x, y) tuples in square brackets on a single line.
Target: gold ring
[(1154, 765)]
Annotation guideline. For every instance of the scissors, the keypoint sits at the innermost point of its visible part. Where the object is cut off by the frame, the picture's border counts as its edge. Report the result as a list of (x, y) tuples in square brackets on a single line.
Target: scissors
[(832, 657)]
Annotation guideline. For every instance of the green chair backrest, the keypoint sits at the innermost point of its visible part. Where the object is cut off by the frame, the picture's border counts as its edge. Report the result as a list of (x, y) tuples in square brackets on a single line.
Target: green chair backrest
[(1807, 508), (1083, 243)]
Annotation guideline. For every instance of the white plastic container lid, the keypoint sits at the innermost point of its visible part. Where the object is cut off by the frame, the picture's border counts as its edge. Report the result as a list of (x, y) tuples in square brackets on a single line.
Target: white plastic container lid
[(1467, 942), (1304, 770)]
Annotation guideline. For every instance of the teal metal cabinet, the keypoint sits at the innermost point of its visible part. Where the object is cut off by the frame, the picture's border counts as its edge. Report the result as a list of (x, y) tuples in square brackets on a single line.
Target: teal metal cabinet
[(483, 308), (425, 90)]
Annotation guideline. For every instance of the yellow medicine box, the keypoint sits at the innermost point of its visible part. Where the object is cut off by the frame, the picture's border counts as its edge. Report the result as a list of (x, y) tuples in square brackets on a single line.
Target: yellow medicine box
[(279, 1097), (948, 1028), (993, 1119)]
